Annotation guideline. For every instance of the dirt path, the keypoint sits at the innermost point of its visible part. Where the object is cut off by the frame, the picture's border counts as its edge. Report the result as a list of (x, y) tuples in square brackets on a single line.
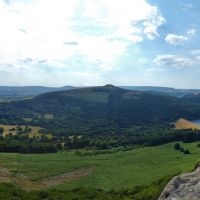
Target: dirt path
[(67, 177), (5, 175), (25, 182)]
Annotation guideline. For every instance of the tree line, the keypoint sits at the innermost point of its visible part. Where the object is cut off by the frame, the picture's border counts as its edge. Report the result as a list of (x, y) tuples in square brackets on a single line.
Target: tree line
[(141, 136)]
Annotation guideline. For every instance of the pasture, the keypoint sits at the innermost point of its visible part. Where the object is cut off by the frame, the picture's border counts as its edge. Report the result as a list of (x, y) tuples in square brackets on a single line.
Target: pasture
[(116, 171), (12, 129)]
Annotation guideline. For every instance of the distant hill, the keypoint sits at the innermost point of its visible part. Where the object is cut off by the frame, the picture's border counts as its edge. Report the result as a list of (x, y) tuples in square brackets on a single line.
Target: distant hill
[(162, 90), (12, 92), (17, 92), (97, 108), (192, 98)]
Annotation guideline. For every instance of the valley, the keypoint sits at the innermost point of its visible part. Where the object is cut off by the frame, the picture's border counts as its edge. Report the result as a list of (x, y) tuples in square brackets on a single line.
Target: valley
[(99, 100), (111, 142)]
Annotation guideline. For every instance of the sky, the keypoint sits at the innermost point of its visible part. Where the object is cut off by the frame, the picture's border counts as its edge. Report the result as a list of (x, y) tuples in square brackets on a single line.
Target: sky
[(96, 42)]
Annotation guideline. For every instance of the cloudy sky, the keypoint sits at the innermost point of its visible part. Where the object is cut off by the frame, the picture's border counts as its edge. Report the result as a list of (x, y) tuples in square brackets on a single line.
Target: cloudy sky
[(95, 42)]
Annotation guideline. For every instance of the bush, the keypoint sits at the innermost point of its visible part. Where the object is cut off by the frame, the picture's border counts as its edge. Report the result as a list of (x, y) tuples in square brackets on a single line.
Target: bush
[(1, 130), (43, 194), (177, 146), (186, 151)]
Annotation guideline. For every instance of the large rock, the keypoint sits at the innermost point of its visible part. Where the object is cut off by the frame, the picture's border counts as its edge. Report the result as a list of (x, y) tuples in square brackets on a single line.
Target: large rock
[(183, 187)]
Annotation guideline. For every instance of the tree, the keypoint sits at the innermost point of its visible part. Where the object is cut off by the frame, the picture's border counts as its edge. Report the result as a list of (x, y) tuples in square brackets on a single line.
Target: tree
[(27, 129), (177, 146), (59, 146), (186, 151), (19, 130), (1, 130)]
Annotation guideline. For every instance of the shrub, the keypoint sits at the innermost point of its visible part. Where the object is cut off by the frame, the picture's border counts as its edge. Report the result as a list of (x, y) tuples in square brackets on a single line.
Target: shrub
[(177, 146), (186, 151), (1, 130)]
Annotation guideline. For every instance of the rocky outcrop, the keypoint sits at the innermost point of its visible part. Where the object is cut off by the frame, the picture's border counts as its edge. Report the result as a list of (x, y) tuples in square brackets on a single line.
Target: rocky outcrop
[(183, 187)]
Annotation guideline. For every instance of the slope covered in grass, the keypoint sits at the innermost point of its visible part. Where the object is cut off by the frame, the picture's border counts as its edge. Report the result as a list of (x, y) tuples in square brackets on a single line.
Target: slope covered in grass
[(125, 170)]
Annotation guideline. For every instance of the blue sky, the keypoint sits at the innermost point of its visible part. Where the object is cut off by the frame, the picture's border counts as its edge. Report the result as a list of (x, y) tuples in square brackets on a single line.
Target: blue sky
[(95, 42)]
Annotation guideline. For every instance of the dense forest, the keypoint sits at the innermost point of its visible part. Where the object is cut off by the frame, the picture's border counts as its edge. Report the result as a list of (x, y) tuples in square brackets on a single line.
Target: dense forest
[(139, 136), (96, 118), (98, 109)]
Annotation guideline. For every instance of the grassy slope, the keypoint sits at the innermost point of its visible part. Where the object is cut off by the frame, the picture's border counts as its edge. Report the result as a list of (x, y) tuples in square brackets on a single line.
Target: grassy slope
[(111, 171)]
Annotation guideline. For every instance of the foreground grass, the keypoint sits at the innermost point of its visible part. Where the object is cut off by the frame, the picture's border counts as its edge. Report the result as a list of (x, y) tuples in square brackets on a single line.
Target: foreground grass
[(150, 192), (123, 170)]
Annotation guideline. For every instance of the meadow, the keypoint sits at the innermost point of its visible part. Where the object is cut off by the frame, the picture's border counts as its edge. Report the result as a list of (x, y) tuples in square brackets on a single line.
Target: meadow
[(12, 129), (121, 170)]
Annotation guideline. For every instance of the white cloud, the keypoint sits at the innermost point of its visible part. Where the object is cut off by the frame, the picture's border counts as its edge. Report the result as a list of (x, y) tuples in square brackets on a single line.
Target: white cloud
[(180, 39), (191, 31), (197, 57), (57, 31), (173, 60), (135, 38), (151, 26), (175, 39)]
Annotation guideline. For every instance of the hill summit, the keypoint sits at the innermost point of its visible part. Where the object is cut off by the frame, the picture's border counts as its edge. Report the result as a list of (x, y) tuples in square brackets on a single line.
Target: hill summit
[(109, 86)]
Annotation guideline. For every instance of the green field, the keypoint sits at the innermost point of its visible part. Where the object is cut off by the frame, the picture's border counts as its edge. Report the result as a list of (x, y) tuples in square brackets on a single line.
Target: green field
[(116, 171)]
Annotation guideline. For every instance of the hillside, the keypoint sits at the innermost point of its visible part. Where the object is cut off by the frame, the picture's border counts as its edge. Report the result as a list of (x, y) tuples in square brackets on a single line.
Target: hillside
[(96, 109), (192, 98), (185, 124), (19, 92), (163, 90)]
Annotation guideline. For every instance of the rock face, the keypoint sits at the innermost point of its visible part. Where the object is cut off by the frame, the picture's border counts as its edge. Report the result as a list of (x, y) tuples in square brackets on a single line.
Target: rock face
[(183, 187)]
